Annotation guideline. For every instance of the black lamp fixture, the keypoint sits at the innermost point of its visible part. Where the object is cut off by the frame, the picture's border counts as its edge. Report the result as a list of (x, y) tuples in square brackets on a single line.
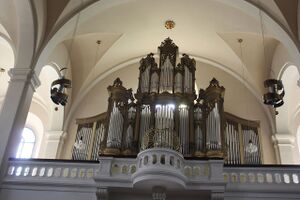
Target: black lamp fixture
[(59, 86), (275, 90), (58, 90), (275, 94)]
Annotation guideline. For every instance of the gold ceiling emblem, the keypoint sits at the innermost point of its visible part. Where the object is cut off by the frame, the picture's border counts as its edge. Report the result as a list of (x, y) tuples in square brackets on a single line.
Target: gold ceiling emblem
[(169, 24)]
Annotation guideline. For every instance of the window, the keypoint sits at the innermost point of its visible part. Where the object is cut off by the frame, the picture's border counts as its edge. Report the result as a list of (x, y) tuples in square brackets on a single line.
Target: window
[(26, 144)]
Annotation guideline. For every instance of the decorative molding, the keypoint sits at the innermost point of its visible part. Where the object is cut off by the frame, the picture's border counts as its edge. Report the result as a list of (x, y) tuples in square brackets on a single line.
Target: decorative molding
[(53, 135), (284, 139), (35, 81), (24, 75)]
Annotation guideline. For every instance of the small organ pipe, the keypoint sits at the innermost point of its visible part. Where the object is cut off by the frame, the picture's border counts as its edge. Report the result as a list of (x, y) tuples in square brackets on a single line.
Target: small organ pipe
[(233, 141), (213, 128), (166, 76), (145, 79), (211, 131), (154, 83)]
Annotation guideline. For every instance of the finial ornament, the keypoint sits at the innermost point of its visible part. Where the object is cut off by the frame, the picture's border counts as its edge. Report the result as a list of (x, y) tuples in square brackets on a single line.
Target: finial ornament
[(169, 24)]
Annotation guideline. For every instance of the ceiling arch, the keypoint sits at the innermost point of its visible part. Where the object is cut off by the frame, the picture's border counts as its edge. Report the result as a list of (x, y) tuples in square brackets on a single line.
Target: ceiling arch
[(200, 31)]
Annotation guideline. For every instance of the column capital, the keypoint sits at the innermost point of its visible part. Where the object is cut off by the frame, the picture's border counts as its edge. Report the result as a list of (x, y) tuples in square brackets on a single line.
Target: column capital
[(53, 135), (283, 139), (24, 75)]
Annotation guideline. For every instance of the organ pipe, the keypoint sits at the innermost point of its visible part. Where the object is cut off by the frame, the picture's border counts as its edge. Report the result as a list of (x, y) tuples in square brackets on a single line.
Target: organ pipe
[(166, 77), (178, 83), (154, 83)]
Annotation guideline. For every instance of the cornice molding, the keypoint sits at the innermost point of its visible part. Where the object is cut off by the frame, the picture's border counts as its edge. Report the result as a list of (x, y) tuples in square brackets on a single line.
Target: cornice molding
[(284, 139), (24, 75)]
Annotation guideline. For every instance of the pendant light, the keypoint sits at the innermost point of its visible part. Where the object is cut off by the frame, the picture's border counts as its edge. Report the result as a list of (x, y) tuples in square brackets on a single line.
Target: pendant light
[(59, 86), (275, 90)]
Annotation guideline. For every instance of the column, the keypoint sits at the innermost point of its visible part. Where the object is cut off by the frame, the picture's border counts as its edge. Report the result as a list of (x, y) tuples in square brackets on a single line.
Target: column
[(15, 108), (287, 148)]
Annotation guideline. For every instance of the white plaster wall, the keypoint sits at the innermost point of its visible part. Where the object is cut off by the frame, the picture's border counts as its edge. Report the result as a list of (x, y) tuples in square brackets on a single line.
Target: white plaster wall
[(238, 101)]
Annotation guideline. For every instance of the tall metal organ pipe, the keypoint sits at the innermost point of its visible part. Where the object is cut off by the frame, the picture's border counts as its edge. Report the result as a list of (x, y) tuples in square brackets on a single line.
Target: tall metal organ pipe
[(166, 77), (145, 80), (115, 128)]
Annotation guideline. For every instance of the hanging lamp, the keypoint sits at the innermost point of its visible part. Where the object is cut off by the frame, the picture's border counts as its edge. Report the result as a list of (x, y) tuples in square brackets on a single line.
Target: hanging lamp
[(275, 90), (59, 86)]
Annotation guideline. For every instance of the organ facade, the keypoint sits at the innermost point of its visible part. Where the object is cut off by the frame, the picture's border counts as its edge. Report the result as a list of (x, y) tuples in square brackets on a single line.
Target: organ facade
[(166, 112)]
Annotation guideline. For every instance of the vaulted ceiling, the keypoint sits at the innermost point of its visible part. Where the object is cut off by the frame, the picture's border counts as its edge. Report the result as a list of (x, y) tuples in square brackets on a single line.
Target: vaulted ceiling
[(67, 31)]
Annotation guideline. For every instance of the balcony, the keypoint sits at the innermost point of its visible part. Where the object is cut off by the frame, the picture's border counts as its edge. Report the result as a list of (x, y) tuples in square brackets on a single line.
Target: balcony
[(152, 167)]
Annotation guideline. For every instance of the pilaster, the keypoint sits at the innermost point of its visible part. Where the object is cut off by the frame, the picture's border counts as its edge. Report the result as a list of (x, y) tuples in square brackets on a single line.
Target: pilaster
[(285, 143), (15, 109), (51, 143)]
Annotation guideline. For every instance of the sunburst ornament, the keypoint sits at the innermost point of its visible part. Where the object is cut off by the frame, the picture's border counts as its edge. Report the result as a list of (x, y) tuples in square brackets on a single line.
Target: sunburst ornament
[(169, 24)]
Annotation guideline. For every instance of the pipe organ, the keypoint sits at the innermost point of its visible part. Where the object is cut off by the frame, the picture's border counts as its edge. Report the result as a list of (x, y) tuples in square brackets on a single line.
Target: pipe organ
[(91, 132), (165, 112), (240, 134)]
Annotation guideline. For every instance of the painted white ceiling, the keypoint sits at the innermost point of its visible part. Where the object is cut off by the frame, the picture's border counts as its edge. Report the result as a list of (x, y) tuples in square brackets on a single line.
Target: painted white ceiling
[(207, 29)]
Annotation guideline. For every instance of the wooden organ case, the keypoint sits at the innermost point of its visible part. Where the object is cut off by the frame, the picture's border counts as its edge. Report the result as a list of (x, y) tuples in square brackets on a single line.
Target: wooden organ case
[(165, 112)]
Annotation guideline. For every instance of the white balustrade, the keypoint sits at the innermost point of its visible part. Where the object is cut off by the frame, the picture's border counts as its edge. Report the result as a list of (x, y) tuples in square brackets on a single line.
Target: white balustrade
[(157, 165), (51, 169), (123, 167), (262, 175), (160, 157), (196, 170)]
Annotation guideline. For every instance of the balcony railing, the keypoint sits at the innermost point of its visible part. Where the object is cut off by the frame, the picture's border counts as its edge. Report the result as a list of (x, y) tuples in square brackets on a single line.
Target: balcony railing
[(111, 171), (277, 178)]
